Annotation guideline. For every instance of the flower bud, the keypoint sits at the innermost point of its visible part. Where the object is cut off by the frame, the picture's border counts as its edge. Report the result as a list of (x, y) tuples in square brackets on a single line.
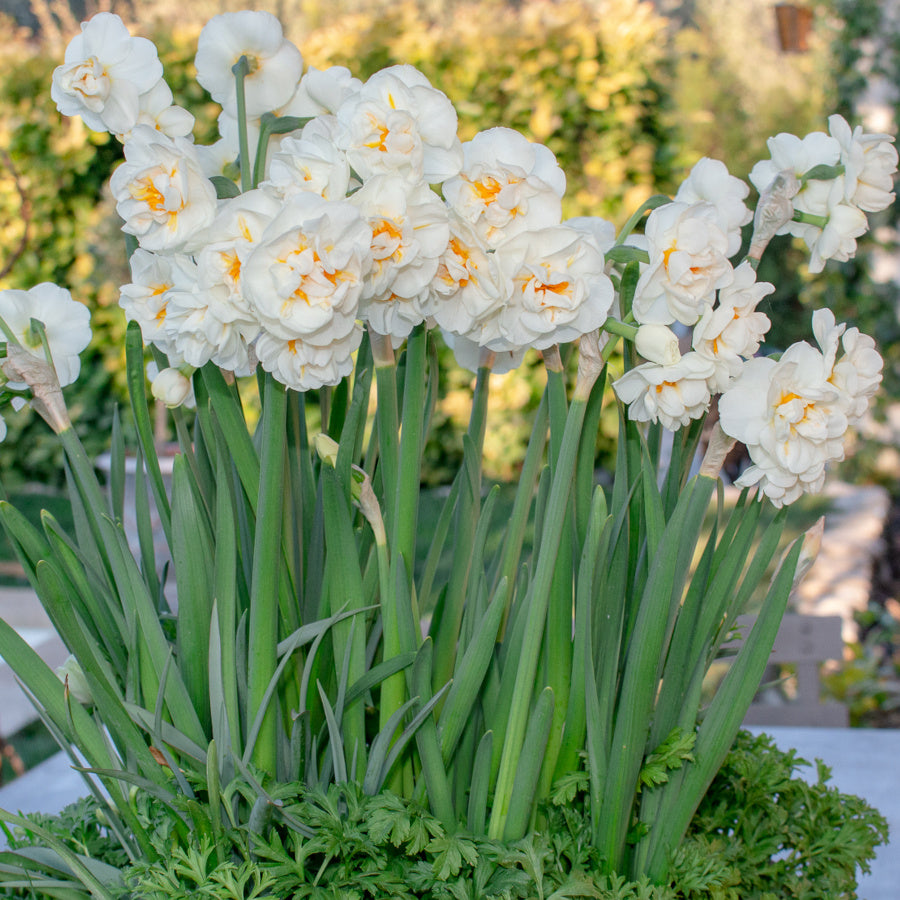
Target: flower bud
[(172, 387), (327, 448), (72, 676), (658, 344)]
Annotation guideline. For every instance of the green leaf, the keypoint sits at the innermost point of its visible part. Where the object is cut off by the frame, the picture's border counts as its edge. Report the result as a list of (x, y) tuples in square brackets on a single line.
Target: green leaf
[(480, 784), (134, 369), (723, 718), (671, 754), (449, 854), (192, 548), (225, 187), (470, 673), (531, 758)]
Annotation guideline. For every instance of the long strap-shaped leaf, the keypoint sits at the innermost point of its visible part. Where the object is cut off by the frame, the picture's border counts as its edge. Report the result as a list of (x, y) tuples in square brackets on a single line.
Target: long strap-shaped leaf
[(663, 591), (134, 369), (264, 591), (537, 602), (722, 720), (192, 541)]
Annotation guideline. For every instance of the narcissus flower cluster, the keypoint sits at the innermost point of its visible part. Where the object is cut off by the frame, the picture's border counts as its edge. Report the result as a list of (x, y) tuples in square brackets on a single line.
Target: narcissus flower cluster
[(793, 413), (357, 207)]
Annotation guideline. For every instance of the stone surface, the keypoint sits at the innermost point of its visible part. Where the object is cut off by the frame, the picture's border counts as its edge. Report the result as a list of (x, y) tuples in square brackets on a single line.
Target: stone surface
[(840, 581)]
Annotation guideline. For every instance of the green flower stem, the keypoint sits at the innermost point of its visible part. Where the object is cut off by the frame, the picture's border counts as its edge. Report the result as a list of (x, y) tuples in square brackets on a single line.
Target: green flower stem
[(387, 418), (263, 630), (810, 219), (538, 600), (514, 532), (86, 480), (137, 392), (241, 70), (623, 329), (400, 628), (559, 612), (411, 443), (445, 646), (651, 204)]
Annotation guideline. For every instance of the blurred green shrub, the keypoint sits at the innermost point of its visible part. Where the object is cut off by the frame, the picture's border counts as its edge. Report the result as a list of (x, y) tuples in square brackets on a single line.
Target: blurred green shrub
[(588, 79)]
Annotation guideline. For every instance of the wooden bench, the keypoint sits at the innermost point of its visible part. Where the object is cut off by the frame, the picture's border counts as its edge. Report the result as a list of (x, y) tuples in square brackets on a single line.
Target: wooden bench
[(804, 642)]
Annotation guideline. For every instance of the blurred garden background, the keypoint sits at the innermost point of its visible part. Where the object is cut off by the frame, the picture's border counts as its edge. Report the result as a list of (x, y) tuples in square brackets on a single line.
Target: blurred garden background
[(629, 94)]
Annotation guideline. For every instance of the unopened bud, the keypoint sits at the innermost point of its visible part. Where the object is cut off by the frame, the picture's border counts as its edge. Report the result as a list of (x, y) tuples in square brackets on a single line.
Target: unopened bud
[(809, 552), (172, 387), (327, 448), (71, 675), (658, 343)]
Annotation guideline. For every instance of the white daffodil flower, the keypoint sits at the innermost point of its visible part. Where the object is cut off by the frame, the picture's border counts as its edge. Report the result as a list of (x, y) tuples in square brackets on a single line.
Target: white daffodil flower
[(671, 395), (410, 232), (304, 279), (793, 414), (310, 161), (305, 274), (161, 192), (155, 277), (466, 291), (397, 123), (555, 286), (215, 322), (710, 181), (507, 185), (858, 373), (156, 109), (732, 331), (201, 328), (66, 325), (688, 263), (106, 71), (791, 419), (238, 226), (870, 163), (275, 64)]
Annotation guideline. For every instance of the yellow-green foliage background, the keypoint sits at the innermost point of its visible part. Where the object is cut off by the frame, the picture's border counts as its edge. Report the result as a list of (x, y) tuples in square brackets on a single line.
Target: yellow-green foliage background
[(625, 100)]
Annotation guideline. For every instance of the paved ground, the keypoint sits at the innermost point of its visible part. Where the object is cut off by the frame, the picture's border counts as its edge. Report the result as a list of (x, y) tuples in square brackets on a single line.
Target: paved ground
[(840, 582), (20, 608)]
